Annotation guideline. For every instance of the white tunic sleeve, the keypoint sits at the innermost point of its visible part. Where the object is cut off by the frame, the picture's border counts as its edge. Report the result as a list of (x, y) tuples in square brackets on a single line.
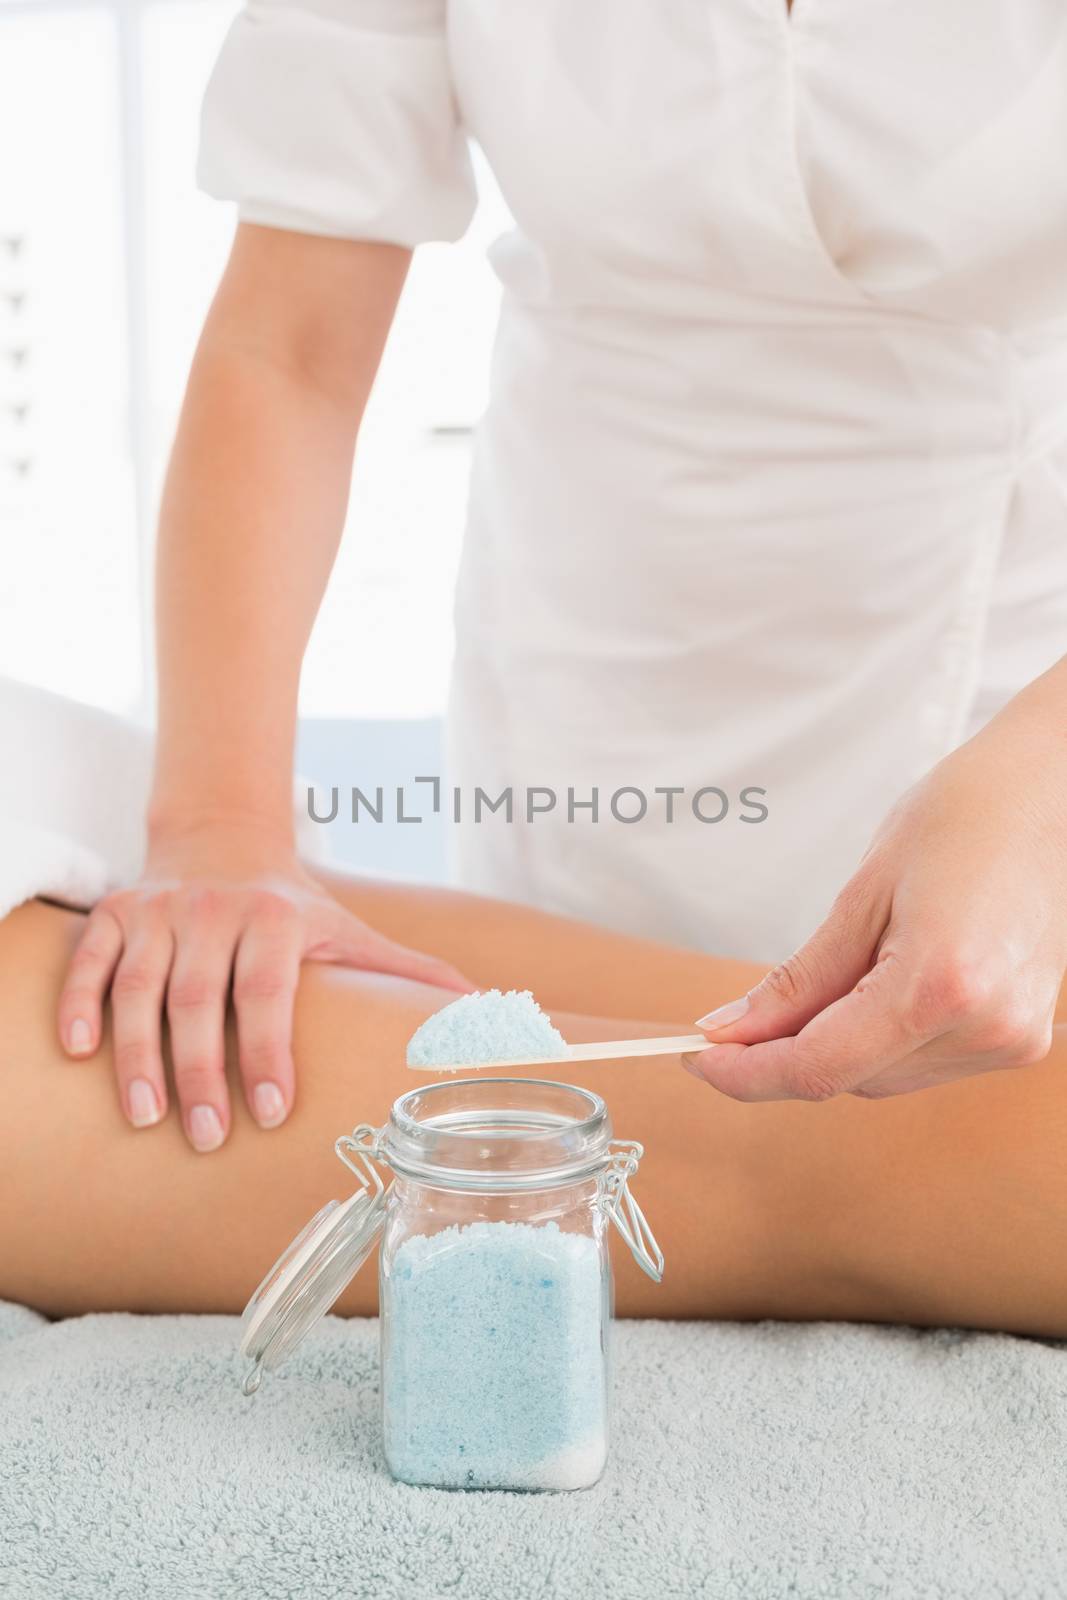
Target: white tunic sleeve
[(338, 117)]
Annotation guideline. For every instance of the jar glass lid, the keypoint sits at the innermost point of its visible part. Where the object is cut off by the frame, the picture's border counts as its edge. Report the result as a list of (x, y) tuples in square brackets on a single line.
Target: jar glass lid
[(308, 1278)]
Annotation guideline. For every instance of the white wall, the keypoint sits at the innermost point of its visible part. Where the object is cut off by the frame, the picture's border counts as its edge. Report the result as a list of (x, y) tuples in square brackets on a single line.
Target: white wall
[(108, 256)]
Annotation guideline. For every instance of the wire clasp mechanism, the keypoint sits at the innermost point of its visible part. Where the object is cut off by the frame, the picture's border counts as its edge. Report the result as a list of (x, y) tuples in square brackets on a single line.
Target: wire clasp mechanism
[(619, 1204), (355, 1149)]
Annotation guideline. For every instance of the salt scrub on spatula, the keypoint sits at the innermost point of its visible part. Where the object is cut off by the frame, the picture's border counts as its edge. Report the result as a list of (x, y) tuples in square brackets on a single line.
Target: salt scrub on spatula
[(486, 1027)]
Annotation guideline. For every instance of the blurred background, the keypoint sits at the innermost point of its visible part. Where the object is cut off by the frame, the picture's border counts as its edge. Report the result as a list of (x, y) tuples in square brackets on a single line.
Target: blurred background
[(108, 257)]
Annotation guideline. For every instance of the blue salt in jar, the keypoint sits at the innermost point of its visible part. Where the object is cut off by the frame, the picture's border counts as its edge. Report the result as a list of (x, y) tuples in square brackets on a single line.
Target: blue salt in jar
[(495, 1280)]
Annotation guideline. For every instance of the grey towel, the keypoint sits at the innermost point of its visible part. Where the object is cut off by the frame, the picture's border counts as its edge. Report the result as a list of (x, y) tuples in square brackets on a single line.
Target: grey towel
[(748, 1463)]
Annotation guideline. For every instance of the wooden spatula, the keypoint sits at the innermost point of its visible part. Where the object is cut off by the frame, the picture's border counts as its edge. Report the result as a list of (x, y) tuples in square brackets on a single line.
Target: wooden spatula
[(608, 1050)]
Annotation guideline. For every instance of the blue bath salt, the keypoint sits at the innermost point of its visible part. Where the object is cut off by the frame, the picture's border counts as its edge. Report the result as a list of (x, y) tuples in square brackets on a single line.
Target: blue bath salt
[(486, 1027), (493, 1364)]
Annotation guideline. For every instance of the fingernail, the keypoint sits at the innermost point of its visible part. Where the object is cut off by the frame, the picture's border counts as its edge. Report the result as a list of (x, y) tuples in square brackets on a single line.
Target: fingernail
[(724, 1015), (79, 1037), (205, 1129), (141, 1103), (690, 1065), (268, 1105)]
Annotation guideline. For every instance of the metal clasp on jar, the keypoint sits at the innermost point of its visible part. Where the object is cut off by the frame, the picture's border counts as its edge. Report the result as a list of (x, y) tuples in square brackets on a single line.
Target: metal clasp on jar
[(619, 1204), (355, 1149)]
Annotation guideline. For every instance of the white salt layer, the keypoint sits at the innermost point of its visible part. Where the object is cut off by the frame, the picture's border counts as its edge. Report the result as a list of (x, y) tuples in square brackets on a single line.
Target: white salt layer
[(576, 1468)]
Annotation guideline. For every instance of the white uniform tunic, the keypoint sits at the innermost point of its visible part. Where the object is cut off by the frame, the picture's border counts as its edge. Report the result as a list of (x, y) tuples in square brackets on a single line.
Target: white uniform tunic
[(772, 489)]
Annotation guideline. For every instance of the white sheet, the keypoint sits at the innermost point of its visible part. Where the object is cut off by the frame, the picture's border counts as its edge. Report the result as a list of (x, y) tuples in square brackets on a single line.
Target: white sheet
[(74, 785)]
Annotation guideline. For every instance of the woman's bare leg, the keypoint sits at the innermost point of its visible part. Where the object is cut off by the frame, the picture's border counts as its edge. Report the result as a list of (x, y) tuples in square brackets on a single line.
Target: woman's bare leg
[(946, 1206), (569, 965), (96, 1216)]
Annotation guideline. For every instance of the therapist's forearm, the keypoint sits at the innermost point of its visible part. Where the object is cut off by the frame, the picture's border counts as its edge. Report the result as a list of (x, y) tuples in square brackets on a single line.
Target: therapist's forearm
[(1043, 704), (252, 515), (253, 511)]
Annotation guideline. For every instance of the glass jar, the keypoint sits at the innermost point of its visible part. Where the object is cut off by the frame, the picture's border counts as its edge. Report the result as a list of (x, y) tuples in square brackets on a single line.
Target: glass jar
[(495, 1280)]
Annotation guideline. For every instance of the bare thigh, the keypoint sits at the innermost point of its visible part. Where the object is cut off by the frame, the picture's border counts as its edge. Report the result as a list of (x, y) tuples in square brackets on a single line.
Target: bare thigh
[(948, 1206), (96, 1216), (572, 966)]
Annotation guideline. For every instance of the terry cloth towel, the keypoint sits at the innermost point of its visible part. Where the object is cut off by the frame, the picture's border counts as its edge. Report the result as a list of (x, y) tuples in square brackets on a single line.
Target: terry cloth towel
[(821, 1462), (74, 786)]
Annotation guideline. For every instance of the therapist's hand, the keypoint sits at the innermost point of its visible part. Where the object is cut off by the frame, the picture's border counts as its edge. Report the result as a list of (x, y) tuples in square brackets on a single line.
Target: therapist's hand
[(943, 955), (213, 919)]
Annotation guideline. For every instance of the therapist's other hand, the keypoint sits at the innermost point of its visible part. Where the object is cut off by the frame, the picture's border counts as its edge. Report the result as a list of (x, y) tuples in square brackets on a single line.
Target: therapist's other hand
[(210, 922), (944, 954)]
